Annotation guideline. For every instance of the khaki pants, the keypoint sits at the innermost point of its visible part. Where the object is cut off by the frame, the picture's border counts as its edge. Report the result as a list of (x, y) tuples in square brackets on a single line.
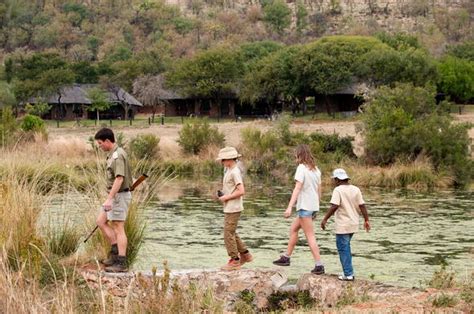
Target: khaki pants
[(233, 244)]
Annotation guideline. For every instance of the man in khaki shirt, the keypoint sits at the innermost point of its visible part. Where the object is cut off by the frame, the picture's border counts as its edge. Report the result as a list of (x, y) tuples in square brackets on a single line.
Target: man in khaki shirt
[(115, 207), (232, 198), (346, 203)]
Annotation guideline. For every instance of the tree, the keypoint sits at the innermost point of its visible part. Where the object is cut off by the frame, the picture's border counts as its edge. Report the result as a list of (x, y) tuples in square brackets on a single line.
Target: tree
[(277, 15), (331, 63), (275, 78), (120, 80), (385, 66), (99, 101), (212, 73), (151, 92), (52, 82), (457, 78), (463, 50)]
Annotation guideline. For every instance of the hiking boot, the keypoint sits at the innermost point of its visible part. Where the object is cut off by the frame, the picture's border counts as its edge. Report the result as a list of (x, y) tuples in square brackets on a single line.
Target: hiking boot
[(120, 265), (110, 260), (232, 264), (318, 270), (346, 278), (282, 261), (245, 258)]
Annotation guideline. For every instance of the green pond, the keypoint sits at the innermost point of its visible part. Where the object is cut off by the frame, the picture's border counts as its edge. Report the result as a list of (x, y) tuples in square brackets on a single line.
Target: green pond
[(412, 234)]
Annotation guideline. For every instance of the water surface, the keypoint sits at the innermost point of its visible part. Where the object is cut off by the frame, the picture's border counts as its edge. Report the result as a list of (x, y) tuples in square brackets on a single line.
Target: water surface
[(412, 233)]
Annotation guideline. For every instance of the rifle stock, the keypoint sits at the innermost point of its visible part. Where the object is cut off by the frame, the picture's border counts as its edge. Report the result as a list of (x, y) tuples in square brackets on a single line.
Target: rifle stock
[(134, 185)]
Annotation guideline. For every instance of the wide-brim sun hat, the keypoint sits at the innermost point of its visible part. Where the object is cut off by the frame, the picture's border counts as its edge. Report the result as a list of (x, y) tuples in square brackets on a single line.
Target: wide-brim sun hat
[(228, 153), (340, 174)]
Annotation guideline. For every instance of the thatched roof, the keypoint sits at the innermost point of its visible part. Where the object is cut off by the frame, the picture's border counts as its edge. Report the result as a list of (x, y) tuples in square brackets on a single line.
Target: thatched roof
[(77, 94)]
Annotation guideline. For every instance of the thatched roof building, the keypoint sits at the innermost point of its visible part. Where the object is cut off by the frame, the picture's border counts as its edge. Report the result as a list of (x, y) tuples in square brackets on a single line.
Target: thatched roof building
[(72, 102)]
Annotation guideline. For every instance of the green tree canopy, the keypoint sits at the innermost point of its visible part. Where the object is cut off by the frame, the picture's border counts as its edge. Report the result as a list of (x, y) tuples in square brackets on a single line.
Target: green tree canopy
[(385, 66), (211, 73), (457, 78), (331, 63)]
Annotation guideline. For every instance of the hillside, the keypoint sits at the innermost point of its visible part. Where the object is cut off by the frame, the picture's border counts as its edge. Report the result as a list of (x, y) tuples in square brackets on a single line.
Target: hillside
[(91, 30)]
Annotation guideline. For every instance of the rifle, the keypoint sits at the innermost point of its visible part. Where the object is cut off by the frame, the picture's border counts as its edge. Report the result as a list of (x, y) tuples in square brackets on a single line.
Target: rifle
[(134, 185)]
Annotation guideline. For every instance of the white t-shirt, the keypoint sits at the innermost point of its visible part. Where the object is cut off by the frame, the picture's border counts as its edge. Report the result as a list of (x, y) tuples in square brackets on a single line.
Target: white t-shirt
[(308, 199), (348, 197)]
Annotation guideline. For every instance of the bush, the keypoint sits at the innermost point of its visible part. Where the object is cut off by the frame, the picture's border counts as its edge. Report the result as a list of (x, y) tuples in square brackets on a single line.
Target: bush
[(332, 143), (404, 122), (197, 134), (32, 123), (144, 146)]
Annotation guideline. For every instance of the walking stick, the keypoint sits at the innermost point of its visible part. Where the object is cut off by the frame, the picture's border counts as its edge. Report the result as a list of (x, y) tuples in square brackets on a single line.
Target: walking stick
[(134, 185)]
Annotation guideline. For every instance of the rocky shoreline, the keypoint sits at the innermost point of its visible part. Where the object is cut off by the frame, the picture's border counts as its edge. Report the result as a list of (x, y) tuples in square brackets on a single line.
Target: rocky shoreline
[(329, 293)]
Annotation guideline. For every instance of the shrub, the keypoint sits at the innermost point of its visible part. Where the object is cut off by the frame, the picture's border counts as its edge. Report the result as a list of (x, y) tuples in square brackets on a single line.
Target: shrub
[(442, 279), (197, 134), (144, 146), (32, 123), (444, 300), (333, 143), (404, 122)]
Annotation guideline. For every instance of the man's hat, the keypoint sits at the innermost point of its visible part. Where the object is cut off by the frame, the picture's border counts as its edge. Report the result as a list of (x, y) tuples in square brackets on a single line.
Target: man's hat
[(228, 153)]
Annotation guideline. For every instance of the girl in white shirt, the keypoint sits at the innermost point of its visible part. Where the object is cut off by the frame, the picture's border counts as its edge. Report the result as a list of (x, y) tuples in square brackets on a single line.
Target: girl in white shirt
[(306, 195)]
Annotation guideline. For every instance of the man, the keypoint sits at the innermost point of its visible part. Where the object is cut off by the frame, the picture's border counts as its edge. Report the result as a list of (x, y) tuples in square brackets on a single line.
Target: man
[(115, 207)]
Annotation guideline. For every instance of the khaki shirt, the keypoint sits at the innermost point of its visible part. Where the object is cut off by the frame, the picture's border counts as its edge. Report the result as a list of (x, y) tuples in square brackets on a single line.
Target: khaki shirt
[(232, 178), (117, 165), (348, 197)]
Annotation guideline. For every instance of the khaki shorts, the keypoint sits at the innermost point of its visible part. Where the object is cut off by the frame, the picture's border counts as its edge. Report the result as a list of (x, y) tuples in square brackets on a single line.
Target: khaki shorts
[(120, 206)]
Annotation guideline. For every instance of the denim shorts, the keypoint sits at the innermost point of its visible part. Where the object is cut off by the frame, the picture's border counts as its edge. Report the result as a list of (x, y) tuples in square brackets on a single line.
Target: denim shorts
[(303, 213)]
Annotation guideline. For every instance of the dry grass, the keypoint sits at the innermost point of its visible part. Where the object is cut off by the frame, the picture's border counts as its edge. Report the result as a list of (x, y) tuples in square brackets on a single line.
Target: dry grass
[(419, 174)]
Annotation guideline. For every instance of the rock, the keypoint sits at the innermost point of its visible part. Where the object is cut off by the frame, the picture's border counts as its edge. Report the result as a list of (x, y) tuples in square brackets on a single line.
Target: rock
[(328, 290), (227, 285)]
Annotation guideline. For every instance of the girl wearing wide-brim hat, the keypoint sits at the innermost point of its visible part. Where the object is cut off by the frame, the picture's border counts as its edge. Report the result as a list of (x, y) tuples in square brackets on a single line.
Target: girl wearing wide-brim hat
[(231, 197)]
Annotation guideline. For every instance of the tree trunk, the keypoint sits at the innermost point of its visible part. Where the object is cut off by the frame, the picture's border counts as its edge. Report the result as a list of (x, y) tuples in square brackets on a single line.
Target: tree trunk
[(328, 106), (97, 112)]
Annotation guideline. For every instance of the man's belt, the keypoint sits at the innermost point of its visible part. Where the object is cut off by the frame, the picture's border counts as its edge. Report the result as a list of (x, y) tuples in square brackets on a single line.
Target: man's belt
[(124, 190)]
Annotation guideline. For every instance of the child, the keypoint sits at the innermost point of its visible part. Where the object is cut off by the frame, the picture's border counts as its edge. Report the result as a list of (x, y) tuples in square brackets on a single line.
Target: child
[(346, 201), (306, 195), (231, 197)]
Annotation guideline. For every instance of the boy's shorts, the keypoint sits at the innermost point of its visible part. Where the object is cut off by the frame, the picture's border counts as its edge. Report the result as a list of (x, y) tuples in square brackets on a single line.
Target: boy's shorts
[(120, 207), (303, 213)]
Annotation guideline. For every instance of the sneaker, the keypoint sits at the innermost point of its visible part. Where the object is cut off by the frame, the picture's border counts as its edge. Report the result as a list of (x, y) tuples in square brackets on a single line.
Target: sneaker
[(245, 258), (120, 265), (318, 270), (282, 261), (232, 264), (346, 278)]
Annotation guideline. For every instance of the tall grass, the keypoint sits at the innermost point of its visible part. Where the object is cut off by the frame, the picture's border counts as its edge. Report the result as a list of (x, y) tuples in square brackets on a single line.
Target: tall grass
[(419, 174), (135, 224)]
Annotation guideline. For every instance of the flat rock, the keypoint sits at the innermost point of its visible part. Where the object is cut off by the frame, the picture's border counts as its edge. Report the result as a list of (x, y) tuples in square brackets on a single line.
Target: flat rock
[(328, 290)]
